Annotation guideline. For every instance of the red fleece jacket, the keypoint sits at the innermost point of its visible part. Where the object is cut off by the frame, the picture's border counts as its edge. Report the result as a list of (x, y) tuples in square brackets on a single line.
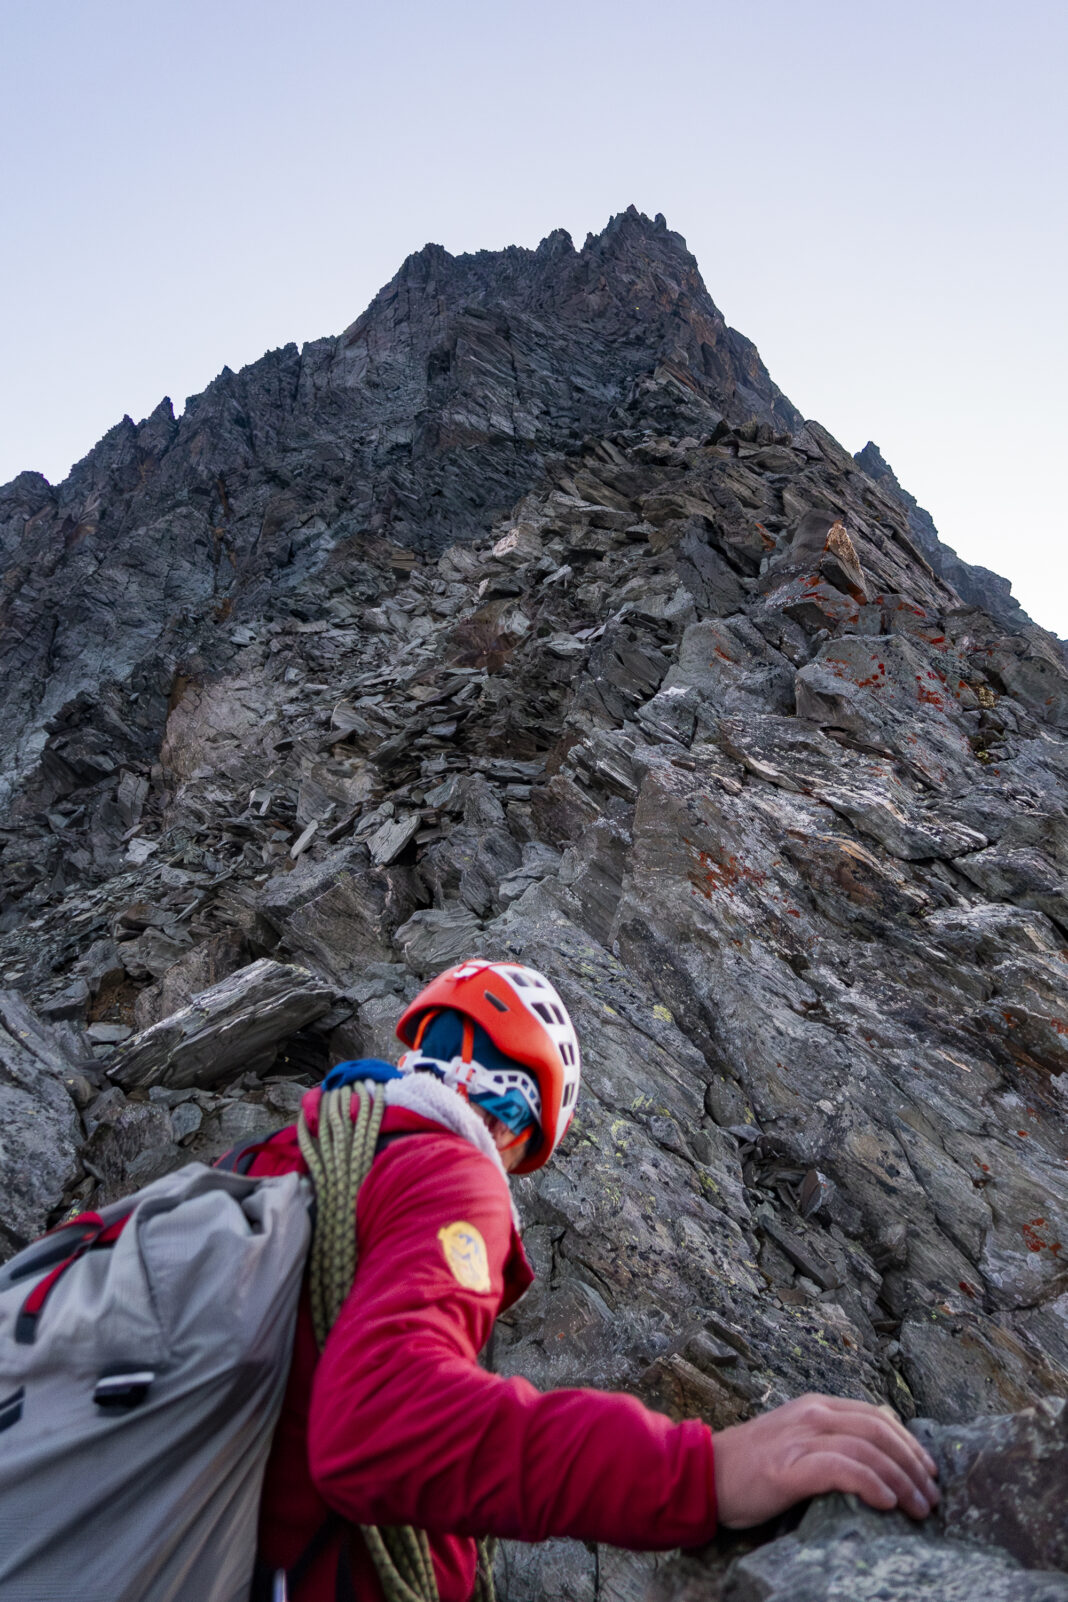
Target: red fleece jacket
[(397, 1424)]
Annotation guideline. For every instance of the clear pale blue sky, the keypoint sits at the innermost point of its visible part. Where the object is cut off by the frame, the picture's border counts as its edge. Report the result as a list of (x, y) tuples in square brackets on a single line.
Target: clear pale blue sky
[(875, 194)]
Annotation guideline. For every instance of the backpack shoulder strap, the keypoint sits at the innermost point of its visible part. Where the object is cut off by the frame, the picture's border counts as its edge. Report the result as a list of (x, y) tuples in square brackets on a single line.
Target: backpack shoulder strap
[(239, 1159)]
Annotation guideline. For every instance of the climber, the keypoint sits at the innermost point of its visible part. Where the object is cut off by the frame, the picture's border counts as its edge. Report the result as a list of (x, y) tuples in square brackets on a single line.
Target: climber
[(397, 1424)]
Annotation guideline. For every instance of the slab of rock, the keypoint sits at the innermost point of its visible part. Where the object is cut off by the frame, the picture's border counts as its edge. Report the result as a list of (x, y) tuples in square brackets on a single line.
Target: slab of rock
[(438, 937), (237, 1024), (1004, 1481), (1023, 876), (339, 914), (387, 843), (197, 969), (845, 1551)]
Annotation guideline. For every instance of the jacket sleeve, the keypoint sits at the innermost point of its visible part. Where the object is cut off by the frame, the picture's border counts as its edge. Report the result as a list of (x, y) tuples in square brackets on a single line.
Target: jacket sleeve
[(405, 1428)]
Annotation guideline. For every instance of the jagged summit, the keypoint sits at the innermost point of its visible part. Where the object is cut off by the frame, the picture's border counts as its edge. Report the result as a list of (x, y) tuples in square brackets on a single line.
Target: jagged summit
[(626, 229), (632, 298), (423, 422)]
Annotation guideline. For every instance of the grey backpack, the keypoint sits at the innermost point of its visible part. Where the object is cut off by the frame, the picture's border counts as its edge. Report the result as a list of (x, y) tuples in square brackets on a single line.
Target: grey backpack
[(144, 1352)]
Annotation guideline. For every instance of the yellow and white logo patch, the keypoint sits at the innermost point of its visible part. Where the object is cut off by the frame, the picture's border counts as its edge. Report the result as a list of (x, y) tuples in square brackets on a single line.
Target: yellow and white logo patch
[(465, 1253)]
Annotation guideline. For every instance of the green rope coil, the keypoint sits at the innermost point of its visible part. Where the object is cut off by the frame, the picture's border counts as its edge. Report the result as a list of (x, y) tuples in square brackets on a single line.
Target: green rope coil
[(339, 1159)]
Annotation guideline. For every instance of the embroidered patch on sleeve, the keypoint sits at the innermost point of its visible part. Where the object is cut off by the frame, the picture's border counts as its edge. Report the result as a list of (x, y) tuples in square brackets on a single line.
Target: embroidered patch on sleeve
[(465, 1253)]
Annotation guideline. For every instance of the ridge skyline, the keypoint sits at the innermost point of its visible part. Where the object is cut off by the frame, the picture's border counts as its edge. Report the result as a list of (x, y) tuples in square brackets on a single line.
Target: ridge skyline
[(484, 275), (430, 252)]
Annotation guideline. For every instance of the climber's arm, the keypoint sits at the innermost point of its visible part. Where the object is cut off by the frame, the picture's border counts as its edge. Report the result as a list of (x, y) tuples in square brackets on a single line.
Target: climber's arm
[(406, 1428)]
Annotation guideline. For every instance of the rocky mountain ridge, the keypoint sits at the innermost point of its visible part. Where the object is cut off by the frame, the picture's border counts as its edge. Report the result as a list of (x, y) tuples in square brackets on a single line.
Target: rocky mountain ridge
[(529, 617)]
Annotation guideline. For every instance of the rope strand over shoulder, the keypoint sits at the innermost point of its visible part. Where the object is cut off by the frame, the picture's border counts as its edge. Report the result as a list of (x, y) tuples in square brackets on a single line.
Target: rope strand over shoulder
[(339, 1159)]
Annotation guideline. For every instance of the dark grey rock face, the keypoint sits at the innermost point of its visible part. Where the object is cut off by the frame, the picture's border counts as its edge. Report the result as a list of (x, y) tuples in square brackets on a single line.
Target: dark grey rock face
[(39, 1126), (852, 1552), (572, 644)]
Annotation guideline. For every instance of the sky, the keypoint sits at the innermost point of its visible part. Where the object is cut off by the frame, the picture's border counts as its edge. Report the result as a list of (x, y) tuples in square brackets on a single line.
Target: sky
[(875, 194)]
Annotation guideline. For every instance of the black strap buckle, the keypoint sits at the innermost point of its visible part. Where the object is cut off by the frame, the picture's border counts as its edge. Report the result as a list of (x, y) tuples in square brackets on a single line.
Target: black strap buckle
[(123, 1389)]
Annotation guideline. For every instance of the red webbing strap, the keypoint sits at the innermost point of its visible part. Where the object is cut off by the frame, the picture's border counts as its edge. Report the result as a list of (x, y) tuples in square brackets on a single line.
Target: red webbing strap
[(52, 1247), (31, 1309)]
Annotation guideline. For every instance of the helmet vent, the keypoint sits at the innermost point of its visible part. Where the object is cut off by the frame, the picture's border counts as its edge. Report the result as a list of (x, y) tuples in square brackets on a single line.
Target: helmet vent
[(543, 1011), (495, 1001)]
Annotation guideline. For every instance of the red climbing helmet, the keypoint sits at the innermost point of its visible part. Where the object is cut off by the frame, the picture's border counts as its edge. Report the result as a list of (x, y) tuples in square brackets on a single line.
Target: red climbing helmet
[(526, 1020)]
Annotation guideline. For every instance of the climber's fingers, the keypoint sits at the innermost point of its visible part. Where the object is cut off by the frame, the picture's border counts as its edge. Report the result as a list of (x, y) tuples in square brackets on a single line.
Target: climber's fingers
[(845, 1404), (834, 1415), (850, 1463)]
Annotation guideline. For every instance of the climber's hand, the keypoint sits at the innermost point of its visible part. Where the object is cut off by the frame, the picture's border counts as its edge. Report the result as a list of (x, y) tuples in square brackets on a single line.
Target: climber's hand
[(817, 1444)]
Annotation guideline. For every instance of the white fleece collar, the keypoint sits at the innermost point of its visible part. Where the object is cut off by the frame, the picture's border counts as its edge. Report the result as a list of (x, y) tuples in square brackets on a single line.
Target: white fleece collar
[(422, 1093)]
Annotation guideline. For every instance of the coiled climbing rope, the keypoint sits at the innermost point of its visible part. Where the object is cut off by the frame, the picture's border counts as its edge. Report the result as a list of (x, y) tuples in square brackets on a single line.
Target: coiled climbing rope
[(339, 1158)]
